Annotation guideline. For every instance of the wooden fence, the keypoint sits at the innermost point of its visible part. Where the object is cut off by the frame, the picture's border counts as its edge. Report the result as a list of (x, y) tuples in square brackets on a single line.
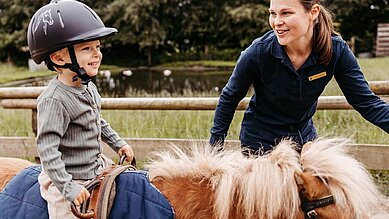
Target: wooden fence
[(382, 40), (373, 156), (25, 98)]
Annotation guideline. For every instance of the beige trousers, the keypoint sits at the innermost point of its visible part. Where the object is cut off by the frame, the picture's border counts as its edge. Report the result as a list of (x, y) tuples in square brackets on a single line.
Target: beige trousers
[(57, 205)]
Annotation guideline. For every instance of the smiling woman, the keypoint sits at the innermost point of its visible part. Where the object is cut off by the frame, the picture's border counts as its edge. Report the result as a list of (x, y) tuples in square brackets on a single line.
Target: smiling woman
[(289, 68)]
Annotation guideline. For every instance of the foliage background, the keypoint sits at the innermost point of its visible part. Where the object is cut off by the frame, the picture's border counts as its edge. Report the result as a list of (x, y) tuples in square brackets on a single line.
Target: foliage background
[(160, 31)]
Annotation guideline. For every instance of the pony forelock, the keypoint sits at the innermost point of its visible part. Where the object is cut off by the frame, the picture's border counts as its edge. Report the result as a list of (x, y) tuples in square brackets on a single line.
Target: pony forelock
[(348, 180)]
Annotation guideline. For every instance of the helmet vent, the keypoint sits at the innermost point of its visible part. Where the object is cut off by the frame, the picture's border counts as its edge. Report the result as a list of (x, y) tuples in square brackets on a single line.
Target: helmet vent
[(60, 19), (92, 12)]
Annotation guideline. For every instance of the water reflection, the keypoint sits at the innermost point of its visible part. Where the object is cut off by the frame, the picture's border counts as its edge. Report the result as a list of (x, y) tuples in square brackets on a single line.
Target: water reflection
[(161, 83), (153, 83)]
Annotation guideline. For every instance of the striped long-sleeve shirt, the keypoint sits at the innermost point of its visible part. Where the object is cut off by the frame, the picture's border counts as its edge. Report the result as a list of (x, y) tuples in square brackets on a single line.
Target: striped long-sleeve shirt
[(70, 131)]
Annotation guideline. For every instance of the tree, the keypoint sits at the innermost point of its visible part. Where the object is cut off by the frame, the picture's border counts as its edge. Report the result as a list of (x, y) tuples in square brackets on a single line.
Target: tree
[(138, 22), (359, 18), (245, 22), (14, 18)]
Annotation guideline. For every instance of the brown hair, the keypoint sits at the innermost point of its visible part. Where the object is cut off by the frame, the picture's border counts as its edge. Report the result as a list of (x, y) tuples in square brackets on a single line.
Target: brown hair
[(322, 31)]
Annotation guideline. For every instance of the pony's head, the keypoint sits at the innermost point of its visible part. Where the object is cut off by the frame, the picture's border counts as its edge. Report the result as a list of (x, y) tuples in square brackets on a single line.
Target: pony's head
[(317, 201), (335, 181)]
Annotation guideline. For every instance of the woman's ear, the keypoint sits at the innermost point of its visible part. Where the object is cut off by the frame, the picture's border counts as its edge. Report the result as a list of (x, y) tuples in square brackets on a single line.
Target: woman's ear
[(315, 11)]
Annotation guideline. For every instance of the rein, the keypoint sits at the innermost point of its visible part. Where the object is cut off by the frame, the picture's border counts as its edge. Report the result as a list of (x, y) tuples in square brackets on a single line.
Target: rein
[(309, 207), (103, 190)]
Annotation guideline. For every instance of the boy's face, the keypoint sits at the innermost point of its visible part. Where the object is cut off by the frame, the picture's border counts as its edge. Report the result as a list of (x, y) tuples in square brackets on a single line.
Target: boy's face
[(88, 56)]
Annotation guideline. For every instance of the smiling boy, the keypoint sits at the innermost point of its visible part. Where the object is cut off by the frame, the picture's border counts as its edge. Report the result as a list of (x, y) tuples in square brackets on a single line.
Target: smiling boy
[(70, 127)]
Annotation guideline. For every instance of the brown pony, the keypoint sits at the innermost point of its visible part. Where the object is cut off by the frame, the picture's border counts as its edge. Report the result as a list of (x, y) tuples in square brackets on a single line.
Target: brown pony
[(202, 183)]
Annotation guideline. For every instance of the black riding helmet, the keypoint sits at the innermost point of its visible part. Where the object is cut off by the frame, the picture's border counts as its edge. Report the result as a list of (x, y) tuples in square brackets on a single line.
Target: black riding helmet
[(61, 24)]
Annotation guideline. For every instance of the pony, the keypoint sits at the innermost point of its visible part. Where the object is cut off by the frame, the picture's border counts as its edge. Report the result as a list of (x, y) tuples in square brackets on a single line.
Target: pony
[(208, 184), (203, 182)]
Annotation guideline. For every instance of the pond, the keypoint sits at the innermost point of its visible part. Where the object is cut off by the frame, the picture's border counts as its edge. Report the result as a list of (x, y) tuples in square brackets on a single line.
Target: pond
[(152, 83), (161, 83)]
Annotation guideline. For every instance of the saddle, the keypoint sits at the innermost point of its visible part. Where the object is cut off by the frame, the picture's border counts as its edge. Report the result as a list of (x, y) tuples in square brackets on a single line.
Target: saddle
[(102, 191)]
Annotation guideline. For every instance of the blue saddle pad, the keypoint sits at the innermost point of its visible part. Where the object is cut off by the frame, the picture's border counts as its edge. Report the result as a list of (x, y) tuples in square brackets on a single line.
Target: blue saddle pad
[(21, 198), (140, 201), (135, 197)]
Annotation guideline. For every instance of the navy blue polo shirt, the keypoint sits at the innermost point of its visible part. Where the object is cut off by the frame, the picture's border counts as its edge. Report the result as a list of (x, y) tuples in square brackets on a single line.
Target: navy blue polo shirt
[(285, 99)]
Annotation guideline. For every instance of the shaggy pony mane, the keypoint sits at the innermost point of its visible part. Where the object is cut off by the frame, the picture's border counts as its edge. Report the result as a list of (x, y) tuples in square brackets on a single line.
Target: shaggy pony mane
[(265, 187), (253, 183)]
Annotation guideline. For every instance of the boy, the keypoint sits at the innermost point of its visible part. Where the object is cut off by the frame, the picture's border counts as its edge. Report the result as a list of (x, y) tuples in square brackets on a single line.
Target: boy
[(66, 34)]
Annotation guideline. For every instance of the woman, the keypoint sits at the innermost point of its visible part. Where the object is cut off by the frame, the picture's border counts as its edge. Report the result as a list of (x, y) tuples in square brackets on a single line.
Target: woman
[(289, 68)]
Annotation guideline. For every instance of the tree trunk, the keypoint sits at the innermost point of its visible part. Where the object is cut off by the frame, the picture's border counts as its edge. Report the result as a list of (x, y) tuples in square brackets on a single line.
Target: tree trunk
[(206, 51), (149, 57)]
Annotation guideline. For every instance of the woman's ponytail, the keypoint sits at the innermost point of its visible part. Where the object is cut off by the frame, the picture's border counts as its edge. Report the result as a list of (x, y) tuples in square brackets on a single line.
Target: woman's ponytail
[(323, 31), (322, 36)]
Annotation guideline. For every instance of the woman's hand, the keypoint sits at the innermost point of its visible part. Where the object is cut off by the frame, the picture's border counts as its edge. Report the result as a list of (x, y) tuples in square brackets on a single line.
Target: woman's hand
[(127, 150), (82, 196)]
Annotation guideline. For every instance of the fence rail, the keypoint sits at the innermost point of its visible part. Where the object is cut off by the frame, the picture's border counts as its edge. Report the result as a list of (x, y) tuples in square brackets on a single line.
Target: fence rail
[(25, 98), (379, 88), (209, 103)]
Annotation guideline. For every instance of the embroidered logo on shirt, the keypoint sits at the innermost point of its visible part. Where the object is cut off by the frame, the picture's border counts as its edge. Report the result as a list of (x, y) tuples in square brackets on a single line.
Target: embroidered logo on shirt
[(317, 76)]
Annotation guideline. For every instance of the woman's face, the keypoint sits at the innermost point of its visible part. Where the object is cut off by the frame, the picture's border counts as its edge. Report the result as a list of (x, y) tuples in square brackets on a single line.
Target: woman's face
[(291, 23)]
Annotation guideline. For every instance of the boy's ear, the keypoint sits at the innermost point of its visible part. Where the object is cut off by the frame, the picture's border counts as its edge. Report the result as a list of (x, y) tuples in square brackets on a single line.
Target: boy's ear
[(57, 58)]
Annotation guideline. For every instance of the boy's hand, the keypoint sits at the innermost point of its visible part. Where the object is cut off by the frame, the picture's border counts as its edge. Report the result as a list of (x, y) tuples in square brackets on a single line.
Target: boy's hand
[(127, 150), (82, 196)]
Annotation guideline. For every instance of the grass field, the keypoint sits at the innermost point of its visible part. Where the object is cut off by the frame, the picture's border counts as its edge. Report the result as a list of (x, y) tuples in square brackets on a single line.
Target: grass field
[(196, 124)]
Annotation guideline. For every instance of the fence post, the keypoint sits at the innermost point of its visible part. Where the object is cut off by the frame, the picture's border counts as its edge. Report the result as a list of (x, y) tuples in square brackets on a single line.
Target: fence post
[(34, 121)]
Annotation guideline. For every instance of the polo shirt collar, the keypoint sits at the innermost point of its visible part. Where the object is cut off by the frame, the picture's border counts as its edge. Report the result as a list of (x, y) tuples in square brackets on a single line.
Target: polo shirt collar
[(76, 90), (278, 52), (276, 49)]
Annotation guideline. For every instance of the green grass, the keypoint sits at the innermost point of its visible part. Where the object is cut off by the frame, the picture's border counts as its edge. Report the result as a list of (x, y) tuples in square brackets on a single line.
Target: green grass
[(9, 73), (375, 69), (196, 124), (15, 122)]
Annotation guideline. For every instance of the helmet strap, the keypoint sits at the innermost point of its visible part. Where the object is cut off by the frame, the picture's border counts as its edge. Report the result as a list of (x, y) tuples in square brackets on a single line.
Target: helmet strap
[(75, 67)]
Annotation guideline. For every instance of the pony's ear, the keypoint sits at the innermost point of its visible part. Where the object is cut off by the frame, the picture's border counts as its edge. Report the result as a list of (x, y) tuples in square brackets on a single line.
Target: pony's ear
[(306, 146), (299, 178), (302, 182)]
